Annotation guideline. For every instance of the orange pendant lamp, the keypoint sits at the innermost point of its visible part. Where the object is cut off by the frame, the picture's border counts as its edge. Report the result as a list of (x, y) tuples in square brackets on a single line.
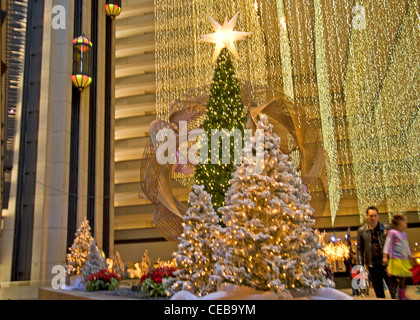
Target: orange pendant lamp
[(113, 8)]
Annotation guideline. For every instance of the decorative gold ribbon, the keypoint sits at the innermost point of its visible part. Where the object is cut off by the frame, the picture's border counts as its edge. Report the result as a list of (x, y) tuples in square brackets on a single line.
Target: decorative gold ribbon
[(289, 120)]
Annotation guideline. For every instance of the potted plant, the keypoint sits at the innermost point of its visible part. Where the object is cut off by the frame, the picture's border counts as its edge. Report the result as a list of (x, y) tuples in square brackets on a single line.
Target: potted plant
[(102, 280), (158, 282)]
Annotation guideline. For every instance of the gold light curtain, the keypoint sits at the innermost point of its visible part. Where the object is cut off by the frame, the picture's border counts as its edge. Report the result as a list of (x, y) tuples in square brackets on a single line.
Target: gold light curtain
[(382, 104), (352, 66), (183, 62)]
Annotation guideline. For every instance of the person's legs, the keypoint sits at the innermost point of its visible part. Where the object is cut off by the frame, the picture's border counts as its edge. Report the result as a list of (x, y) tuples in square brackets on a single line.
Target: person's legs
[(392, 283), (377, 281), (401, 289)]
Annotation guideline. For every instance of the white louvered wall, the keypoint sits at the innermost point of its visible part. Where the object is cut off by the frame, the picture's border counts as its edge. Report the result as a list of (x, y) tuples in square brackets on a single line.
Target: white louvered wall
[(135, 108)]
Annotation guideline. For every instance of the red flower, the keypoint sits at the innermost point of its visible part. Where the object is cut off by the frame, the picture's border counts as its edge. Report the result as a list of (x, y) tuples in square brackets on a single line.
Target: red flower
[(103, 275), (158, 274)]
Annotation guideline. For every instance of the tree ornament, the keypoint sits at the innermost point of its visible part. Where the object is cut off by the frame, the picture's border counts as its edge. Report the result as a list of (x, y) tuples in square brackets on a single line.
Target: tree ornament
[(224, 36)]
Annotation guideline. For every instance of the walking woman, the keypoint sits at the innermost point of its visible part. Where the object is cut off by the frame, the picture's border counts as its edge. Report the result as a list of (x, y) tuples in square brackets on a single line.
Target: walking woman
[(397, 254)]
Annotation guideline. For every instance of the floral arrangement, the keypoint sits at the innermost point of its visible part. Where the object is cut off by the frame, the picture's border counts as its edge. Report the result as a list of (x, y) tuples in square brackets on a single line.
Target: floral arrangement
[(158, 281), (102, 280)]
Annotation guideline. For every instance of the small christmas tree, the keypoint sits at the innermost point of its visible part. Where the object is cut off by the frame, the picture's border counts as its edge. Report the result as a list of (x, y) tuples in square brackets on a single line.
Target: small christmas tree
[(269, 243), (79, 250), (137, 270), (195, 251), (116, 265), (94, 262), (145, 263)]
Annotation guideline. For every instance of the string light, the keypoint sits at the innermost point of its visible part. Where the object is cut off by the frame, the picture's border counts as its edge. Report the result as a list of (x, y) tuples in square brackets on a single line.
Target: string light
[(345, 78), (336, 252), (327, 117), (386, 165)]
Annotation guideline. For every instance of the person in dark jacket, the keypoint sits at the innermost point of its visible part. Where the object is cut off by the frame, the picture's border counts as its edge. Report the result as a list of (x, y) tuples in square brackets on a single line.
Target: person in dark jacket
[(370, 243)]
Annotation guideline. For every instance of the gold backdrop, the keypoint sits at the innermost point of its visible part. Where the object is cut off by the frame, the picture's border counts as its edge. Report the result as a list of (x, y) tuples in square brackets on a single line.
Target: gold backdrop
[(351, 67)]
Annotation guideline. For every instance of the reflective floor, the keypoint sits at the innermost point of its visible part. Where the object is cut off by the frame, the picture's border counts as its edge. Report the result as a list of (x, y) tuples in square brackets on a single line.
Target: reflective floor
[(412, 293)]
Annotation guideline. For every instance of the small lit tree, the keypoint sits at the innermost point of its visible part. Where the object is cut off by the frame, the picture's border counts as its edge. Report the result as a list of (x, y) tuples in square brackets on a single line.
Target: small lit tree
[(145, 263), (79, 250), (139, 269), (194, 257), (116, 265)]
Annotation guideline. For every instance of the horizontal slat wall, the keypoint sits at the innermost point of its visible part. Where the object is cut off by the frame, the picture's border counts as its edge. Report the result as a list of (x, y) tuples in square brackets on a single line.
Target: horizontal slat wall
[(135, 109)]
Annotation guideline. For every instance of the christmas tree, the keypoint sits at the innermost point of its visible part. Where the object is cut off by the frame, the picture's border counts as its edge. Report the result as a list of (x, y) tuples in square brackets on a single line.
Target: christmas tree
[(195, 251), (116, 265), (79, 250), (269, 243), (145, 262), (94, 262), (226, 113)]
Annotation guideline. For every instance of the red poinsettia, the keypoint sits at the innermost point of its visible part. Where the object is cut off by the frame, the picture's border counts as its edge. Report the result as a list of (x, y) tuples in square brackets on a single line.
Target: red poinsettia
[(103, 275), (158, 274)]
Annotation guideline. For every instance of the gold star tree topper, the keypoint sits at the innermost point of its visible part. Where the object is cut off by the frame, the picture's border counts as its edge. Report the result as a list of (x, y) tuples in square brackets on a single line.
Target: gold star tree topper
[(224, 36)]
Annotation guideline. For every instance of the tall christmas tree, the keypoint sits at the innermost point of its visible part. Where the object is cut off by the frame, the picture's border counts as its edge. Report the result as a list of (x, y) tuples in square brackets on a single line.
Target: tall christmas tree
[(196, 248), (269, 243), (79, 250), (225, 111)]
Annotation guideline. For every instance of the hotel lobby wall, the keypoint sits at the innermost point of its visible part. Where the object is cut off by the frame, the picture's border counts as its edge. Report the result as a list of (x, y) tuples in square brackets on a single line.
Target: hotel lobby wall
[(51, 194), (133, 252)]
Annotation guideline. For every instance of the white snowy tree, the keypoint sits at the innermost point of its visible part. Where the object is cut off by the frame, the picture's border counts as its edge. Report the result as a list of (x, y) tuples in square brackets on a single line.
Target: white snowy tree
[(197, 244), (268, 242), (94, 262)]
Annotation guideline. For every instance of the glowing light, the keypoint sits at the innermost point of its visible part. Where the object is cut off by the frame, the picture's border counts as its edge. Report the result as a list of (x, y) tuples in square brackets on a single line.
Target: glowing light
[(113, 8), (224, 36), (82, 62), (283, 22), (371, 145), (335, 252)]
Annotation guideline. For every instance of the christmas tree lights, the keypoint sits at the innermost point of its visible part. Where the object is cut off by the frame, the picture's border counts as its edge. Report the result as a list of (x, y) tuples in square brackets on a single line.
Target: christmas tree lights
[(79, 250), (194, 257), (116, 265), (268, 242), (95, 262), (225, 111)]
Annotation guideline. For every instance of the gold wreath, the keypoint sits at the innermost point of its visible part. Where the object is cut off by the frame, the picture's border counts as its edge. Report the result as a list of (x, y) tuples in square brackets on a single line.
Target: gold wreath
[(290, 123)]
